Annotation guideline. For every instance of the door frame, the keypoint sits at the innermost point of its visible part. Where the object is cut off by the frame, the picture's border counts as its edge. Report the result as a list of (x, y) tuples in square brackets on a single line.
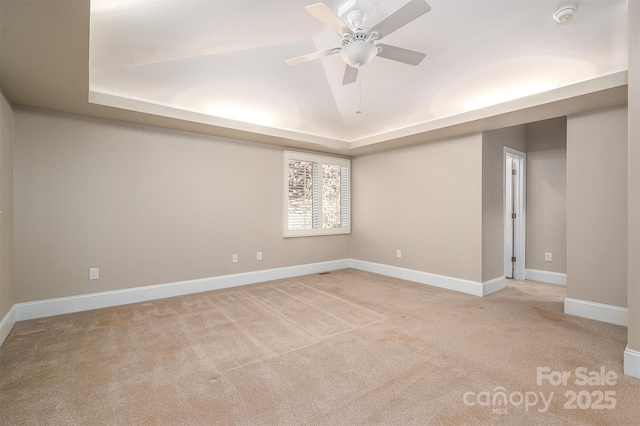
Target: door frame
[(520, 224)]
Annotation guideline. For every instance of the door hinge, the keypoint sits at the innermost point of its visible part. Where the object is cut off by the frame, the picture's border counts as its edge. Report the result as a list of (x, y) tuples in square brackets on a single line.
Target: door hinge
[(513, 259), (513, 215), (514, 172)]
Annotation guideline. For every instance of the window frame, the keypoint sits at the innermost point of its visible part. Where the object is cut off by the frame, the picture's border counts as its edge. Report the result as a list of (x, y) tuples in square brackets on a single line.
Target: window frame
[(320, 160)]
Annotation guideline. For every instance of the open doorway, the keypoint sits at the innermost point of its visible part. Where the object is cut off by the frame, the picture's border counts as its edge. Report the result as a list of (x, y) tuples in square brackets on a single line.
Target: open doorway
[(514, 213)]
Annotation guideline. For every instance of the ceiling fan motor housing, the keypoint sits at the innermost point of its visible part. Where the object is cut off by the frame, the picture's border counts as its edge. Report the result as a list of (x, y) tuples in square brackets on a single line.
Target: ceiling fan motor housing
[(359, 34)]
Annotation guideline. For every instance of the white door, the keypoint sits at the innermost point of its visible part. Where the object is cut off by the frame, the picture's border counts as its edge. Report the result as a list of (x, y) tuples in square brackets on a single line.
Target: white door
[(514, 213)]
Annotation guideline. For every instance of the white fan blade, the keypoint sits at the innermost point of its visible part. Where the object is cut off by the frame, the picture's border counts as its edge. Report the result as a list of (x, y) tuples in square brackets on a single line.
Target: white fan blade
[(399, 54), (350, 75), (311, 56), (328, 18), (401, 17)]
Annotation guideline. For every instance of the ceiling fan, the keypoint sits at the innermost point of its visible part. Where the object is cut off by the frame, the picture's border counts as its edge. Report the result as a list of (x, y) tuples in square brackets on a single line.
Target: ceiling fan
[(358, 47)]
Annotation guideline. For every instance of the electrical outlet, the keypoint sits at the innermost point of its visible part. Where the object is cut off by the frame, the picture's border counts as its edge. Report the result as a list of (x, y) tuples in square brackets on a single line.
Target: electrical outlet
[(94, 273), (398, 253), (548, 257), (234, 258), (259, 255)]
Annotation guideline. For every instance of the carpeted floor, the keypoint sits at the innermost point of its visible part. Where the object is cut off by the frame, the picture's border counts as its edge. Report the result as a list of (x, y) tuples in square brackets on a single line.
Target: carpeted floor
[(343, 348)]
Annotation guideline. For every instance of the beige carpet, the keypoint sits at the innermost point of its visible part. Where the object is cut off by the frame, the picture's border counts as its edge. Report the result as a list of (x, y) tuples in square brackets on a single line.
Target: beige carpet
[(343, 348)]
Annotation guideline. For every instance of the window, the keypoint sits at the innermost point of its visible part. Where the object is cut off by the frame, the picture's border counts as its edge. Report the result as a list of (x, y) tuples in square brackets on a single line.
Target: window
[(316, 194)]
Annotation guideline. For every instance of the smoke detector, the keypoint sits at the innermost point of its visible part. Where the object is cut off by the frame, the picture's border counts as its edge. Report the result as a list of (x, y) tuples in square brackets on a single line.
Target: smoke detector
[(564, 14)]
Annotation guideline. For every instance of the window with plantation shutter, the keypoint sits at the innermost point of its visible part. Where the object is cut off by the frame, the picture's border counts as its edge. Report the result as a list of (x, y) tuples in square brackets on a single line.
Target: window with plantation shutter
[(317, 200)]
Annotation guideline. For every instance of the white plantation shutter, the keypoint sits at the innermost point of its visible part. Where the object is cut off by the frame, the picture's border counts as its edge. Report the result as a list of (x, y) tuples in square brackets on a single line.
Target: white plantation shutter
[(331, 196), (316, 195), (302, 178), (345, 197)]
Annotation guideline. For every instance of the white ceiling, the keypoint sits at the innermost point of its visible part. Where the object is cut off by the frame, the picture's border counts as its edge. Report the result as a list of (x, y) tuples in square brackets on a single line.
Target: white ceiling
[(221, 62), (155, 62)]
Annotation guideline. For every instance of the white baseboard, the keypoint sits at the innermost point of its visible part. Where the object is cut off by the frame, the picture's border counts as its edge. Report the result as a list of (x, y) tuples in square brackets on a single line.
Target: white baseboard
[(596, 311), (474, 288), (85, 302), (545, 276), (491, 286), (7, 323), (632, 363)]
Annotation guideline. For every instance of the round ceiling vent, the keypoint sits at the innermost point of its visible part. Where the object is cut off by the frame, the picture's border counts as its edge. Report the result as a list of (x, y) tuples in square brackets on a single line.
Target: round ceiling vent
[(564, 14)]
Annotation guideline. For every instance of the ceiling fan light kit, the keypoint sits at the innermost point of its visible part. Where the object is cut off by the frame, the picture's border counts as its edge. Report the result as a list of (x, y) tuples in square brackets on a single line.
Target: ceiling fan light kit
[(358, 47), (359, 53)]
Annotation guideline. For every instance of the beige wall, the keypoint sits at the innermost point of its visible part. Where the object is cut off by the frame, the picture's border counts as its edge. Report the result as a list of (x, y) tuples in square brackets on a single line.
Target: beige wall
[(634, 176), (597, 207), (149, 206), (546, 194), (6, 207), (145, 205), (493, 143), (424, 200)]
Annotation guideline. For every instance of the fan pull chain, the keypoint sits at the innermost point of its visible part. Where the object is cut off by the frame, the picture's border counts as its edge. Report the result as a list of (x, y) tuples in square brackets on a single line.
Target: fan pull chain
[(359, 110)]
